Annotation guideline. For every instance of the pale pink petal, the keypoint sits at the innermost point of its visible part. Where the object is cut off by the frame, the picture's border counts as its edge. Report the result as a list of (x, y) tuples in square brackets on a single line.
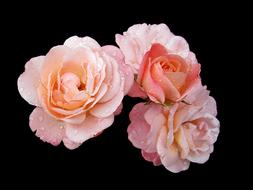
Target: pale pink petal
[(70, 144), (197, 95), (137, 112), (125, 69), (105, 109), (169, 154), (138, 128), (192, 80), (151, 157), (46, 127), (155, 118), (198, 158), (88, 129), (211, 107), (136, 91), (75, 119), (191, 58), (113, 79), (128, 47), (137, 133), (75, 42), (181, 140), (28, 81), (118, 110), (171, 123), (185, 114), (178, 45)]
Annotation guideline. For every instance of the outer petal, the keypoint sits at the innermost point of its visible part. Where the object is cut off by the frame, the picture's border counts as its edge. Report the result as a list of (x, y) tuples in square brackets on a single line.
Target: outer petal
[(118, 110), (169, 154), (139, 128), (154, 91), (152, 157), (46, 127), (75, 42), (28, 81), (70, 144), (136, 91), (125, 69), (178, 45), (105, 109), (88, 129), (155, 118)]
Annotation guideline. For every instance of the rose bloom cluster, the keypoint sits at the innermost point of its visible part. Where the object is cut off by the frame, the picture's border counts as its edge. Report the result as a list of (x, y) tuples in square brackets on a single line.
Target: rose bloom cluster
[(78, 88)]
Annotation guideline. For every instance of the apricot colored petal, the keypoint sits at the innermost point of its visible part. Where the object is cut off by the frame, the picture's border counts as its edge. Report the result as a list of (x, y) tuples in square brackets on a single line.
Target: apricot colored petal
[(155, 118), (151, 87), (168, 87)]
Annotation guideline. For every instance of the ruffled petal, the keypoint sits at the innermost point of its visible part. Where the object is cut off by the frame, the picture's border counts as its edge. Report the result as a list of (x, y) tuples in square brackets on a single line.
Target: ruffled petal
[(47, 128), (28, 81), (75, 42), (151, 157), (125, 69), (88, 129)]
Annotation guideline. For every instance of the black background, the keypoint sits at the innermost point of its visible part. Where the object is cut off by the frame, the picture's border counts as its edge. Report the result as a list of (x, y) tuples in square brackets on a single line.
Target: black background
[(31, 30)]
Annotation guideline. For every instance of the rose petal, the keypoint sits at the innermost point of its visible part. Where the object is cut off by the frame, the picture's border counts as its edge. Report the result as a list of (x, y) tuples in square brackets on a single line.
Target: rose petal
[(153, 90), (155, 118), (105, 109), (46, 127), (113, 79), (138, 128), (151, 157), (75, 42), (118, 110), (125, 69), (169, 154), (70, 144), (88, 129), (178, 45), (28, 81), (136, 91)]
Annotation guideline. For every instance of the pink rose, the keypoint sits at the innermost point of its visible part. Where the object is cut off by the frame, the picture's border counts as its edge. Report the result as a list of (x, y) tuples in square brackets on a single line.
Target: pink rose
[(177, 135), (165, 76), (162, 63), (77, 88)]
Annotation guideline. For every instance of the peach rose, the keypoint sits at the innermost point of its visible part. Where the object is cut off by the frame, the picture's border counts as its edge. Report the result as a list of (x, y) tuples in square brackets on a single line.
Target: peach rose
[(165, 76), (77, 88), (177, 60), (177, 135)]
